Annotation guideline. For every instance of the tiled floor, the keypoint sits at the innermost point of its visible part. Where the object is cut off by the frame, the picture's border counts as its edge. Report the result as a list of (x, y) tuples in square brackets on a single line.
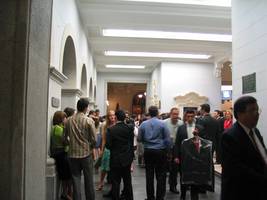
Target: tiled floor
[(140, 191)]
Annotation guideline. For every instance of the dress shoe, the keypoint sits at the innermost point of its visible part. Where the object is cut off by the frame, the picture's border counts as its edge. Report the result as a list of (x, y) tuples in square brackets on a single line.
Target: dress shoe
[(202, 191), (122, 197), (174, 190), (108, 195)]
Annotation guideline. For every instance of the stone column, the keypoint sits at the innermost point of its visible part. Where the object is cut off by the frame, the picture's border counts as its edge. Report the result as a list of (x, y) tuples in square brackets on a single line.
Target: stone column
[(24, 58)]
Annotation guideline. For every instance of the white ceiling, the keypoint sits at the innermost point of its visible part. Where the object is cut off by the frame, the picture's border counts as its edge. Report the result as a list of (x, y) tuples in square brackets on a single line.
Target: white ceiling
[(118, 14)]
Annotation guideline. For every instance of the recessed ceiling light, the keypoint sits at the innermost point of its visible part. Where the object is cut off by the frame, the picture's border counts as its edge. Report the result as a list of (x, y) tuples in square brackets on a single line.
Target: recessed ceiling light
[(222, 3), (167, 35), (157, 55), (126, 66)]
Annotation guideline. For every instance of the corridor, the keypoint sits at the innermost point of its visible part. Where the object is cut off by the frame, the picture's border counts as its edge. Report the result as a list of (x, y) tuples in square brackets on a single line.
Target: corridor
[(139, 183), (173, 53)]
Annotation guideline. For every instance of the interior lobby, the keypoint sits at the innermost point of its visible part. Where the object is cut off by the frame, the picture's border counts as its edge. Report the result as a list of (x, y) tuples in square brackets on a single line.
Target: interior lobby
[(129, 54)]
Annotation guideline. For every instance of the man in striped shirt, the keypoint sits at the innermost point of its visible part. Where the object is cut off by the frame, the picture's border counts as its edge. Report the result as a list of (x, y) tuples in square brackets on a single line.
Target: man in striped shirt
[(80, 130)]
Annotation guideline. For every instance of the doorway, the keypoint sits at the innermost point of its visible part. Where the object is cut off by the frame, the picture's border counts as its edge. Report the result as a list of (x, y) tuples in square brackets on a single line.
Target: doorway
[(226, 89), (130, 97)]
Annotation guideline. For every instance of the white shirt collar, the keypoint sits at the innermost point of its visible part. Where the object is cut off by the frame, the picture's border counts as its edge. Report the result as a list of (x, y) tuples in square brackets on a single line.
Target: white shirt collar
[(246, 129), (261, 149)]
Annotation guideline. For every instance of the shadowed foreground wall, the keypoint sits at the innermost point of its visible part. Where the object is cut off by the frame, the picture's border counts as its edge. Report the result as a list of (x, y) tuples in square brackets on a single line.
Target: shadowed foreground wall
[(24, 56)]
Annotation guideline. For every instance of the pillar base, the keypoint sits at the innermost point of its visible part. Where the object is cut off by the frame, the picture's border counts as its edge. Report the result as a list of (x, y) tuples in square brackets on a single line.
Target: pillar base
[(51, 179)]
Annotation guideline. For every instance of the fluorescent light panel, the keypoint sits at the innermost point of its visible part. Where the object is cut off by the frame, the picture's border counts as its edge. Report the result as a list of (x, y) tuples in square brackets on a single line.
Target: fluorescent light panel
[(126, 66), (221, 3), (156, 55), (167, 35)]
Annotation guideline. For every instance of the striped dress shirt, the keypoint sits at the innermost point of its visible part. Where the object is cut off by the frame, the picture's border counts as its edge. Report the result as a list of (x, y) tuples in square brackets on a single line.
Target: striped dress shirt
[(80, 130)]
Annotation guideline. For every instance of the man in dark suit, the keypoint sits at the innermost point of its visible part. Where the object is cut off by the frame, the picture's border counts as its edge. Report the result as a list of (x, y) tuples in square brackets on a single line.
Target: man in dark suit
[(184, 132), (120, 142), (220, 119), (211, 126), (244, 155)]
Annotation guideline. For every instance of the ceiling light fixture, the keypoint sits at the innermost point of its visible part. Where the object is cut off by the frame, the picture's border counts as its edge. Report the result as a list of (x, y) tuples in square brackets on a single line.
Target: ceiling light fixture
[(157, 55), (221, 3), (167, 35), (126, 66)]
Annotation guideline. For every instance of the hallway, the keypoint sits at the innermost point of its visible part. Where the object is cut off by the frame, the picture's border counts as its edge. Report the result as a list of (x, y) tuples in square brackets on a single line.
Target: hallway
[(55, 52), (140, 191)]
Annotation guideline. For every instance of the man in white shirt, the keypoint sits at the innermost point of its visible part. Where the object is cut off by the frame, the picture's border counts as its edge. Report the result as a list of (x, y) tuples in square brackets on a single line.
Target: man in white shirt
[(173, 123), (244, 166), (184, 132)]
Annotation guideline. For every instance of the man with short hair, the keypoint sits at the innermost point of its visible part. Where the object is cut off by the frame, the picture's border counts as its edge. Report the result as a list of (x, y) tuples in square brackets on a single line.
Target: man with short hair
[(184, 132), (120, 142), (155, 136), (173, 123), (80, 130), (244, 160), (210, 132), (211, 126)]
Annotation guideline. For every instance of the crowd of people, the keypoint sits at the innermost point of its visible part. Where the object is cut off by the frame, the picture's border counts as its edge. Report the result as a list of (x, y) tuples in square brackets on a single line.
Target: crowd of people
[(166, 144)]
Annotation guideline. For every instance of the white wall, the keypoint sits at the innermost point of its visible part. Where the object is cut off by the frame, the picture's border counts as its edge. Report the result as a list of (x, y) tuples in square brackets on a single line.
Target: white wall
[(66, 22), (104, 78), (249, 29), (181, 78)]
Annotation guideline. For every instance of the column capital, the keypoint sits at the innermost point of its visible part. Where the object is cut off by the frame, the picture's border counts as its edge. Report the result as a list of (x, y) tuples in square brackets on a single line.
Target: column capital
[(71, 92), (56, 75)]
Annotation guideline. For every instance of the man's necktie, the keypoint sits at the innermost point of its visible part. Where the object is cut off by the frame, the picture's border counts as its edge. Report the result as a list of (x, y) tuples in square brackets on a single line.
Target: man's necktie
[(251, 134)]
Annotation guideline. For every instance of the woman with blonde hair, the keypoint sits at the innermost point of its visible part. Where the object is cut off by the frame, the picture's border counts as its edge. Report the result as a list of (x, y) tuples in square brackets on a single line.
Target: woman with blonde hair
[(105, 153), (228, 122)]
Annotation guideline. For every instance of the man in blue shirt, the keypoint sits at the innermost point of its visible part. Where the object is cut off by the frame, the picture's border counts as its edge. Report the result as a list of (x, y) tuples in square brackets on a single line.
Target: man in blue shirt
[(155, 136)]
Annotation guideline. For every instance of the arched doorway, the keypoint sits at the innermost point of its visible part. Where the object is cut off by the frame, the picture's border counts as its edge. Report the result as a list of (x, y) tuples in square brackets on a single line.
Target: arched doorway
[(69, 88), (84, 81), (91, 89), (121, 95), (95, 94), (226, 91), (69, 63), (139, 103)]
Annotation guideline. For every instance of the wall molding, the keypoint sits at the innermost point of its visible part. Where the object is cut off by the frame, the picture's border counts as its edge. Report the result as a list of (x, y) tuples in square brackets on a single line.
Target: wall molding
[(72, 92), (191, 99), (57, 75)]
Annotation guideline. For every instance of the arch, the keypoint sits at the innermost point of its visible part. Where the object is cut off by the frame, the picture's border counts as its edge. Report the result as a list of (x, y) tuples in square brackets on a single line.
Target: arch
[(94, 93), (139, 103), (91, 88), (226, 73), (69, 63), (84, 80)]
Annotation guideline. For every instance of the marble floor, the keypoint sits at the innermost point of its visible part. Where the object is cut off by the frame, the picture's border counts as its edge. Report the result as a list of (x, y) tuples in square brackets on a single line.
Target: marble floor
[(138, 178)]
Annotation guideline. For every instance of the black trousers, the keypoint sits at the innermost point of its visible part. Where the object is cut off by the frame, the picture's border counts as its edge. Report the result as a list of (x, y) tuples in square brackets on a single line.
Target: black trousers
[(118, 173), (194, 190), (155, 163), (173, 168)]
